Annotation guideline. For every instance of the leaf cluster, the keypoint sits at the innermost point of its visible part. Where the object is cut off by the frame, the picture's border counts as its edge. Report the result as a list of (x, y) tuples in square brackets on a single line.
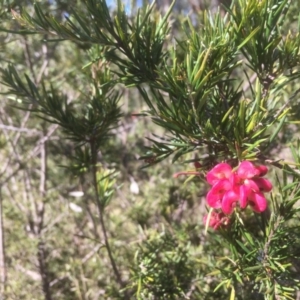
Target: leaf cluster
[(192, 89), (92, 123), (164, 269)]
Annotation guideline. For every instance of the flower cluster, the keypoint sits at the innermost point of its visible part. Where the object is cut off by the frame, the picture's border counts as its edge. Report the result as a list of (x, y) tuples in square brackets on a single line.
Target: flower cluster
[(243, 185), (216, 220)]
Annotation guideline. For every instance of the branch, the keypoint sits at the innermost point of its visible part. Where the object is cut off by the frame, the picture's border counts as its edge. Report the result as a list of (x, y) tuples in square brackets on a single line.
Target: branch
[(101, 219), (3, 276)]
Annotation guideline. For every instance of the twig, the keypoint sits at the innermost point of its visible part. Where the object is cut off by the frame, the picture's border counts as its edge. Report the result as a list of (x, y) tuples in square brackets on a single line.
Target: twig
[(32, 274), (43, 270), (28, 58), (101, 219), (44, 65), (18, 129), (40, 210), (2, 251), (248, 83)]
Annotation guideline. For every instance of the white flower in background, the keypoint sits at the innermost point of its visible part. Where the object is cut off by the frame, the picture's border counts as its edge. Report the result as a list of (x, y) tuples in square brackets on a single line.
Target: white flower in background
[(76, 194), (75, 207), (134, 187)]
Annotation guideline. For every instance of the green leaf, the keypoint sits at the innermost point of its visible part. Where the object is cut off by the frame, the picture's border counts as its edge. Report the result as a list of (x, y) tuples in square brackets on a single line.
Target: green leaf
[(249, 37)]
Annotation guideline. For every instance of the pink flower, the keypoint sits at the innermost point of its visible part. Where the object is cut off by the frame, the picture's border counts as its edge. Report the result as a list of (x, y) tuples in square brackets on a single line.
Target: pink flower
[(241, 186), (217, 192), (216, 220), (263, 170), (244, 186), (229, 201), (247, 170), (250, 175), (252, 185), (220, 171), (257, 201)]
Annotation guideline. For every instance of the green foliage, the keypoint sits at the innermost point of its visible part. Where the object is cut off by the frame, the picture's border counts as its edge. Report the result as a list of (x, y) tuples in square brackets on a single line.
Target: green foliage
[(92, 123), (204, 84), (164, 270), (221, 88)]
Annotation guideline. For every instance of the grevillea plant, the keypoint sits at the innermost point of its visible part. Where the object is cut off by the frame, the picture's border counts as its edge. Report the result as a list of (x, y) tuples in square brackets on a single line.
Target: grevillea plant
[(223, 88)]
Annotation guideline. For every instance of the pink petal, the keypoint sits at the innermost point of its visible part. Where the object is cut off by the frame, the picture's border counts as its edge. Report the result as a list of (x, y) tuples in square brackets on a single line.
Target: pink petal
[(251, 185), (220, 171), (221, 186), (235, 180), (263, 184), (229, 201), (258, 202), (263, 170), (247, 170), (244, 191), (215, 195), (214, 200)]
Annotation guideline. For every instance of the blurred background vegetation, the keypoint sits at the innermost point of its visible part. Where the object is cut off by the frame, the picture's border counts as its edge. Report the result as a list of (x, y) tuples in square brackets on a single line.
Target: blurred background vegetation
[(52, 247)]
